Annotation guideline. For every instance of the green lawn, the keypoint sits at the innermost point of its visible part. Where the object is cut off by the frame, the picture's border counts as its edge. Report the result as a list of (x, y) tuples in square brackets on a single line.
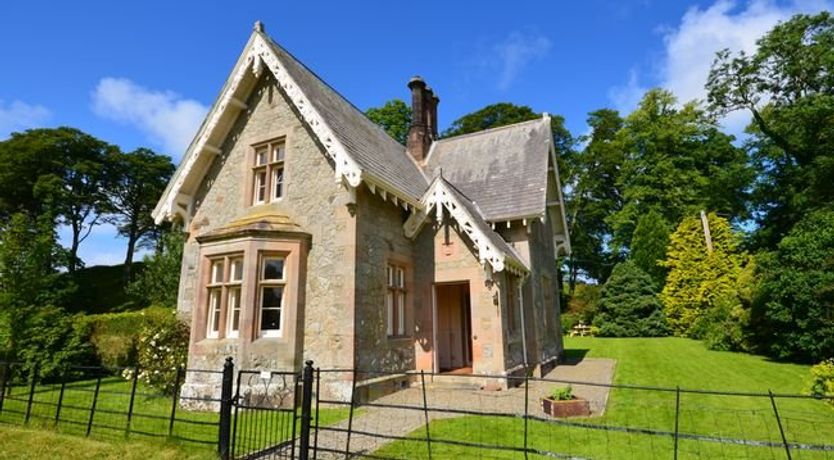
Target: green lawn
[(195, 431), (25, 443), (667, 362)]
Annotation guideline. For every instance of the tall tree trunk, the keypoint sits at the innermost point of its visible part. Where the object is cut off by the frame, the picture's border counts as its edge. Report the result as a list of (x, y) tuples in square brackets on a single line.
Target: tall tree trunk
[(132, 237), (76, 241)]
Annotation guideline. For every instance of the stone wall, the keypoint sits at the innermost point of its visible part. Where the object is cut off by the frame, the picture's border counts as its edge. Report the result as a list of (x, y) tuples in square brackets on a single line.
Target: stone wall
[(313, 200)]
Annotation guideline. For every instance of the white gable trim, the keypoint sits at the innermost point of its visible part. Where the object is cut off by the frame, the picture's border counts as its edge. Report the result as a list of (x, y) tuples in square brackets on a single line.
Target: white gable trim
[(257, 54), (564, 239), (439, 197)]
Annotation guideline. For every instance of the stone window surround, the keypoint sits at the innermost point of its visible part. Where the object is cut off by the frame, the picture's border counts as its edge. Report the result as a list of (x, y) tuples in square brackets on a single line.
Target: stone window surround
[(251, 248), (222, 283), (407, 265), (281, 136)]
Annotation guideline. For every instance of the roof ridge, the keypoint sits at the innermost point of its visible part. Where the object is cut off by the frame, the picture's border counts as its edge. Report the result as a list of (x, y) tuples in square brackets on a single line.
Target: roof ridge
[(490, 130)]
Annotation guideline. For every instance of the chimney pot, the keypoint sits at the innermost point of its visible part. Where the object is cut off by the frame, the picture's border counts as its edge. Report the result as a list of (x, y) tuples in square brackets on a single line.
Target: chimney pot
[(423, 128)]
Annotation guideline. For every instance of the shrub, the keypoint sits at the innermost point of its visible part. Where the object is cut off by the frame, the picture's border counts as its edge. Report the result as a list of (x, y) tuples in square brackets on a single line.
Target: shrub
[(162, 350), (115, 336), (822, 380), (562, 394), (793, 310), (159, 281), (569, 320), (585, 301), (54, 341), (648, 245), (629, 306)]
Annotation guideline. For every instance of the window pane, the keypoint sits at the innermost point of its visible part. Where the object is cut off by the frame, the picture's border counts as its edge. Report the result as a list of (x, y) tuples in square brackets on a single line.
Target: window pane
[(389, 311), (400, 278), (237, 269), (271, 298), (234, 309), (260, 186), (260, 156), (217, 271), (273, 269), (278, 153), (401, 313), (277, 182), (389, 273), (214, 312)]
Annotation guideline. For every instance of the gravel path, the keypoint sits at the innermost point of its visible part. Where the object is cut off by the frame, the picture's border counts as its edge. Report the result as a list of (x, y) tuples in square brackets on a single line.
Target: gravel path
[(456, 392)]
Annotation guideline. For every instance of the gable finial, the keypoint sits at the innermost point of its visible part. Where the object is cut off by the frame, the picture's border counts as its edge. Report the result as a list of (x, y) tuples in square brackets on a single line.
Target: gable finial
[(258, 27)]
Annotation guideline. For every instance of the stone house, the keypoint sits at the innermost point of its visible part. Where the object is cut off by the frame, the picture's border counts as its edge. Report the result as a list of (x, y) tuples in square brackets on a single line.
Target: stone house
[(312, 234)]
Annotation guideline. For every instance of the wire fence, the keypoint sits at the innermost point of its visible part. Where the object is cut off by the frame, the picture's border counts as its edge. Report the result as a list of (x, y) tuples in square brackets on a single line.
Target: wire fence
[(347, 413)]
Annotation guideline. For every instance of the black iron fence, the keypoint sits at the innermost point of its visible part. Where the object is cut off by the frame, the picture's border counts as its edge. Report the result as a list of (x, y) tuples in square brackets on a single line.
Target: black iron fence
[(346, 413)]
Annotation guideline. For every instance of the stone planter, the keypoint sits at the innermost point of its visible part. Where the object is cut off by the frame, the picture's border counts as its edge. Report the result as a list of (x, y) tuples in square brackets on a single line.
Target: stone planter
[(569, 408)]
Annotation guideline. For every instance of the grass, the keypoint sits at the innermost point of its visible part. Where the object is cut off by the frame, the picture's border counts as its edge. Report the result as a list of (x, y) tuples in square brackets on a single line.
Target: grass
[(667, 362), (24, 443), (194, 431)]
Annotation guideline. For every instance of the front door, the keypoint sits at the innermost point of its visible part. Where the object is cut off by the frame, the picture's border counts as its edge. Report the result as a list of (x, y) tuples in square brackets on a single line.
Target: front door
[(454, 327)]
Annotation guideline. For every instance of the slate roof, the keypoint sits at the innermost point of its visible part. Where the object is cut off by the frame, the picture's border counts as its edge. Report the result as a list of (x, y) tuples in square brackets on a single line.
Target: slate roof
[(367, 143), (504, 169), (477, 214)]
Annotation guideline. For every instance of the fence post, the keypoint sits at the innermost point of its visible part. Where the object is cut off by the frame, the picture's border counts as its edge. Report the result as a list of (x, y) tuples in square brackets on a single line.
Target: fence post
[(350, 417), (174, 403), (318, 398), (135, 380), (306, 414), (31, 392), (779, 422), (526, 408), (677, 417), (3, 379), (426, 412), (225, 429), (93, 406), (60, 400)]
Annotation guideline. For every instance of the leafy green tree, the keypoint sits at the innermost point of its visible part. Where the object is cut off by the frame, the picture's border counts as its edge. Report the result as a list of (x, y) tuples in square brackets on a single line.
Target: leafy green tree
[(699, 279), (594, 194), (394, 117), (64, 167), (139, 178), (158, 284), (676, 162), (648, 246), (629, 306), (788, 89), (793, 309)]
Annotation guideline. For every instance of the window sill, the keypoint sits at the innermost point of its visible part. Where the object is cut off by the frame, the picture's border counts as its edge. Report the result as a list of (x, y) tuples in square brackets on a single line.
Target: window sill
[(400, 338)]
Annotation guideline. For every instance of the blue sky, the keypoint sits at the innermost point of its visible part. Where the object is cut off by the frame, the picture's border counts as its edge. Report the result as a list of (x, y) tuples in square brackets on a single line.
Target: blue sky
[(143, 73)]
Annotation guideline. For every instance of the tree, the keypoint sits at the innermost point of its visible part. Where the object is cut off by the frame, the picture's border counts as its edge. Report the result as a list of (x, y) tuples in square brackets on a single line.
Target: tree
[(139, 179), (787, 86), (158, 284), (793, 308), (648, 246), (592, 195), (699, 279), (62, 166), (394, 117), (676, 162), (629, 306)]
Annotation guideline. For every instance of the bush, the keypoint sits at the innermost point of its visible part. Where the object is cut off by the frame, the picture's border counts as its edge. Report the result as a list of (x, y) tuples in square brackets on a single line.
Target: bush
[(569, 320), (115, 336), (54, 341), (793, 310), (162, 350), (629, 306), (585, 301), (822, 380), (159, 281), (562, 394)]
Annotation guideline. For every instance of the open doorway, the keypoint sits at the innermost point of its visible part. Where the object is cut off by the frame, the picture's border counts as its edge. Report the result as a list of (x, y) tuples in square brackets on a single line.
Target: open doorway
[(454, 328)]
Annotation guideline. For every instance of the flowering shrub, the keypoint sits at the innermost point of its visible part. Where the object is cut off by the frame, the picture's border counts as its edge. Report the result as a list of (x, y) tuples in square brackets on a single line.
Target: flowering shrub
[(162, 350), (822, 379)]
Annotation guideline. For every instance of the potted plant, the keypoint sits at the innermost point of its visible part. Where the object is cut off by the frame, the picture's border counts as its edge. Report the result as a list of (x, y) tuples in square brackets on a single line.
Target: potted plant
[(561, 402)]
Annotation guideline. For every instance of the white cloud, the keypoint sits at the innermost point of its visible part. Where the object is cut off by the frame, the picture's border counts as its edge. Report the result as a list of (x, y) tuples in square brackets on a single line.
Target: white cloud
[(689, 48), (168, 119), (626, 97), (515, 53), (19, 115)]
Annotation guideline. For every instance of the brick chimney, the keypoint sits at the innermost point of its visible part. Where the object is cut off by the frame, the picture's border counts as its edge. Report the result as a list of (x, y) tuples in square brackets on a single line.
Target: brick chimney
[(423, 128)]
